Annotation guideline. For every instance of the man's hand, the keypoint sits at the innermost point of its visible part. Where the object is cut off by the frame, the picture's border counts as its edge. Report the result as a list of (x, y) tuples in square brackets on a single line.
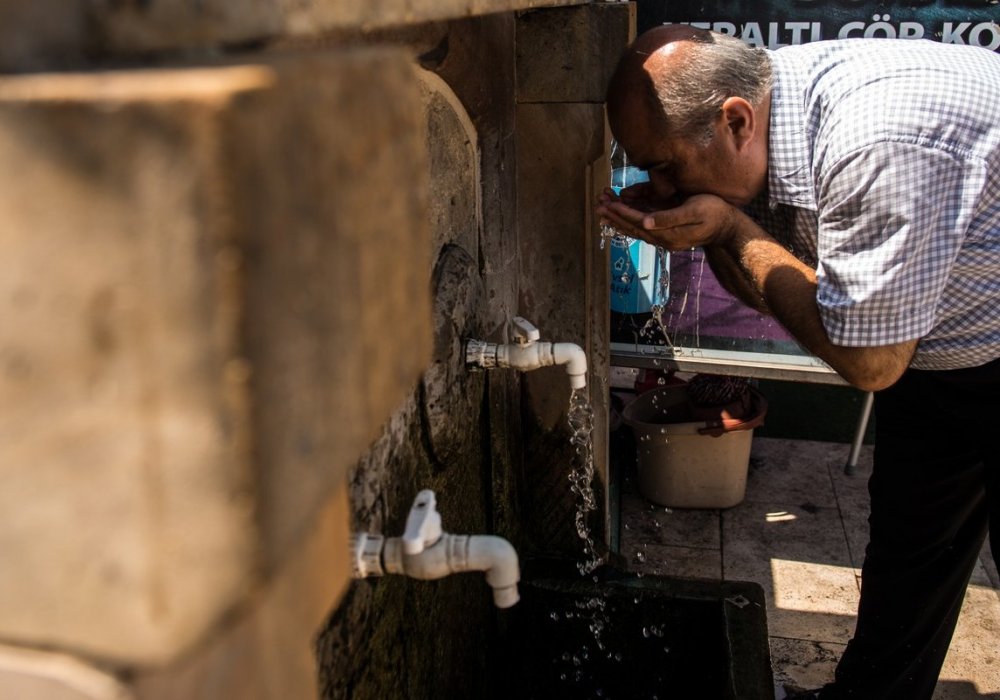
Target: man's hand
[(701, 220)]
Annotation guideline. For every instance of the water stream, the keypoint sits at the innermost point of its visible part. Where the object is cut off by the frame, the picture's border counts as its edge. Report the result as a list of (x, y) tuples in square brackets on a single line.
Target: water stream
[(581, 476)]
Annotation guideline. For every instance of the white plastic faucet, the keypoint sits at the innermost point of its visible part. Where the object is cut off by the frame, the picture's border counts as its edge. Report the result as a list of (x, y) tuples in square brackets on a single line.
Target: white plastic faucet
[(425, 552), (527, 353)]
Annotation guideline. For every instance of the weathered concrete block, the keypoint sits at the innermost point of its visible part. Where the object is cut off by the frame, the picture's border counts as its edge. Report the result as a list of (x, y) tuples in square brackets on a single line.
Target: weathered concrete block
[(455, 203), (555, 145), (210, 301), (266, 652), (451, 395), (156, 25), (568, 54), (340, 323), (47, 34), (320, 15), (42, 33), (31, 674), (564, 286), (269, 650)]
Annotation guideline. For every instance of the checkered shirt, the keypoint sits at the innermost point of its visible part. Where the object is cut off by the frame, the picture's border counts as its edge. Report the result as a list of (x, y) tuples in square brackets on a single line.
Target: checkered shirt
[(884, 173)]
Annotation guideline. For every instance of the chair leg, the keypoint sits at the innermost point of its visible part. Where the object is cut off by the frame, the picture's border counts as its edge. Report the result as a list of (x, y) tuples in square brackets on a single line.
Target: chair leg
[(859, 434)]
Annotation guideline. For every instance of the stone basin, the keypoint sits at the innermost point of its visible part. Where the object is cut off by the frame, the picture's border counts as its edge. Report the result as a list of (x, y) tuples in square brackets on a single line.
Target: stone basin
[(631, 636)]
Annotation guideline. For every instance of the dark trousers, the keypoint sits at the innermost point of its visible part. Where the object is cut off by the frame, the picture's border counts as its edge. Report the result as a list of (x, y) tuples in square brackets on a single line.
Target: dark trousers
[(935, 493)]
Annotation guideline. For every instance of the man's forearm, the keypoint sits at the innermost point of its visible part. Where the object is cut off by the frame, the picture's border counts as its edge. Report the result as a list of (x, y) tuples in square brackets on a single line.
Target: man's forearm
[(788, 288), (734, 279), (754, 266)]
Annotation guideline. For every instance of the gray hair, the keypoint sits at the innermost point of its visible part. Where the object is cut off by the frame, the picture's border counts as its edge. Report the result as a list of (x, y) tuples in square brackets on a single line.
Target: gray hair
[(717, 68)]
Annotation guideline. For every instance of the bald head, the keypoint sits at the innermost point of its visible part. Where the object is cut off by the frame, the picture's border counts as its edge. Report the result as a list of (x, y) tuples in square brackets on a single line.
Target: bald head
[(633, 86), (673, 80), (649, 51)]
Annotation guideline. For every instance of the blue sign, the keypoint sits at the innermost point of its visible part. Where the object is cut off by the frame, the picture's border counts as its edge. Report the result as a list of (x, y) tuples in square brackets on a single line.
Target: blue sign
[(635, 266)]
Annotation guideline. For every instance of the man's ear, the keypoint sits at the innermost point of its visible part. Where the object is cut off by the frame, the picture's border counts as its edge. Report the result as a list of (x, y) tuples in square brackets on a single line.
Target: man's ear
[(740, 121)]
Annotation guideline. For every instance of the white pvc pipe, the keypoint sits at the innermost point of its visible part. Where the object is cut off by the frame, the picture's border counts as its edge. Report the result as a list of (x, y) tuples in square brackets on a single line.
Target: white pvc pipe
[(575, 359), (457, 553), (498, 558), (545, 354)]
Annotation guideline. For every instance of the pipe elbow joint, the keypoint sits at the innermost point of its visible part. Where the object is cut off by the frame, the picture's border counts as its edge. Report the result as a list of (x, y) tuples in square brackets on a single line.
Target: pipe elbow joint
[(494, 556), (575, 359), (497, 558)]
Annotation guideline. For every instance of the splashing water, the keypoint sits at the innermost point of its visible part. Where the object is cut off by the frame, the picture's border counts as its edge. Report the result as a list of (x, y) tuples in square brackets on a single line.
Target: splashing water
[(593, 611), (616, 236), (581, 476), (656, 323)]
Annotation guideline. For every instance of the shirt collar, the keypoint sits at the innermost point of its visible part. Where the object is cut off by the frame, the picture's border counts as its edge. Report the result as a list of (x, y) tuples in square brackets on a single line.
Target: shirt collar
[(789, 171)]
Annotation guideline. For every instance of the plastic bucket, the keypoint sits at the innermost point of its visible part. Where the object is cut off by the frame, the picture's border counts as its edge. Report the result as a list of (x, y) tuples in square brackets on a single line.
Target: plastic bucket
[(687, 463)]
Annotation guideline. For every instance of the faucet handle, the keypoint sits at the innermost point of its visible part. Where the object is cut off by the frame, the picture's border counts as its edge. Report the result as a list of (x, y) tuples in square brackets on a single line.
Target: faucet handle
[(524, 331), (423, 524)]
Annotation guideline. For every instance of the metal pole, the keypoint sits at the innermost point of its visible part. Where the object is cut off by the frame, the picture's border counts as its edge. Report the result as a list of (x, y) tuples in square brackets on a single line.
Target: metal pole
[(859, 434)]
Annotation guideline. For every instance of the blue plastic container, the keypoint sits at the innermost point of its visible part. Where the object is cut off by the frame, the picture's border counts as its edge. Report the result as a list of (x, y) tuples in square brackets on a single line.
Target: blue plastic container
[(634, 273), (635, 267)]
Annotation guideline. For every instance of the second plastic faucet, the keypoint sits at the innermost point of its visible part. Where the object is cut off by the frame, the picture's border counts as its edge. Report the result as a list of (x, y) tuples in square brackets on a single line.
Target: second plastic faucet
[(425, 552), (528, 353)]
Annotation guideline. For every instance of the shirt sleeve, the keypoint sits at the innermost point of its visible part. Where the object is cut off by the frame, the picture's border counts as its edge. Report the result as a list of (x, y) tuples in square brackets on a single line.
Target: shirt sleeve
[(892, 218)]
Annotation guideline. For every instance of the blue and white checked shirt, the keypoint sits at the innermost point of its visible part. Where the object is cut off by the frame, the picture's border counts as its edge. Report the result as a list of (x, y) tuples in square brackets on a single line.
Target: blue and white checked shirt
[(884, 168)]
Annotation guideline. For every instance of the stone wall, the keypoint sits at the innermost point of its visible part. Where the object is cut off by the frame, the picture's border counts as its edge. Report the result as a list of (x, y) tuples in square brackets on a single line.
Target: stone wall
[(244, 243), (44, 34), (442, 436), (184, 384)]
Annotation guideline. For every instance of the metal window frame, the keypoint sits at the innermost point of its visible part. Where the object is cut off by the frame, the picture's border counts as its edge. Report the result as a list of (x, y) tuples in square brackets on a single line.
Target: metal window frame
[(759, 365)]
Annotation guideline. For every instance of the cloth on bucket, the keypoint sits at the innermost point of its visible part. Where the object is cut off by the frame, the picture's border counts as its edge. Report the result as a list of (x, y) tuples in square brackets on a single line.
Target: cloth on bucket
[(715, 397)]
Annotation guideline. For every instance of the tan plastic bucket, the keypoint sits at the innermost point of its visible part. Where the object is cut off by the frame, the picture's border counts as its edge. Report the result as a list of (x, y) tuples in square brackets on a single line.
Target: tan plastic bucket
[(684, 463)]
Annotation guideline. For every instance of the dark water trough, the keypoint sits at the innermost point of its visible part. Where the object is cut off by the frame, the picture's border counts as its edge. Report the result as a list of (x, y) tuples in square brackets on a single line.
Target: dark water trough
[(628, 636)]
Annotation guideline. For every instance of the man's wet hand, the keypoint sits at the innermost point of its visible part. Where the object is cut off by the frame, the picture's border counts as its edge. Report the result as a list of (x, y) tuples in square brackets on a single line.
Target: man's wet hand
[(700, 220)]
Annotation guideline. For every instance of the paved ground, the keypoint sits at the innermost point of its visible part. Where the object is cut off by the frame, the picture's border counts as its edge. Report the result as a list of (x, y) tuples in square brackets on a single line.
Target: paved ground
[(800, 534)]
